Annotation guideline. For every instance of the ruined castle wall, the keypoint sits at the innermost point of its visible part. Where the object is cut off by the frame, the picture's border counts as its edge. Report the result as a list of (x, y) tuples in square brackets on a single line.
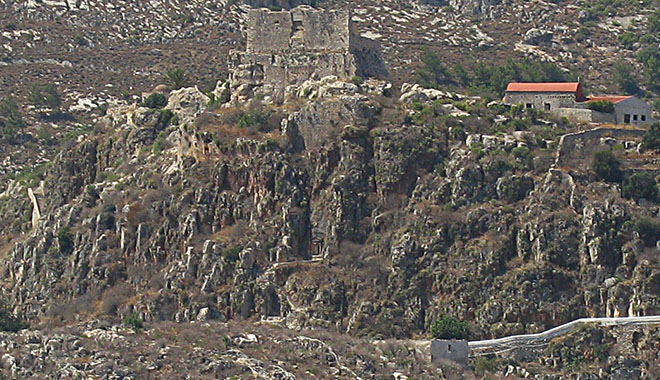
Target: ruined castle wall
[(268, 32), (302, 29), (275, 76), (325, 31), (287, 48)]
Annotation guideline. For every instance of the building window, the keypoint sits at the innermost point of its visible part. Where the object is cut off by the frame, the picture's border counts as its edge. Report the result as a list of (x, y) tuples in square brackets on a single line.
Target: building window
[(634, 117), (626, 118), (449, 348), (529, 105), (547, 106), (643, 117)]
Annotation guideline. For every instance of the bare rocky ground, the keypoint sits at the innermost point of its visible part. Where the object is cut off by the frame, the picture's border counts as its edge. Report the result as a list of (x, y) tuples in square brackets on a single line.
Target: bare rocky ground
[(104, 52), (263, 350), (417, 209)]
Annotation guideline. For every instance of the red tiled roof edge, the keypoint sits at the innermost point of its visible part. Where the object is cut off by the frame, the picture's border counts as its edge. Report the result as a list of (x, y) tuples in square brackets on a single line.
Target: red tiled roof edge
[(543, 87), (613, 99)]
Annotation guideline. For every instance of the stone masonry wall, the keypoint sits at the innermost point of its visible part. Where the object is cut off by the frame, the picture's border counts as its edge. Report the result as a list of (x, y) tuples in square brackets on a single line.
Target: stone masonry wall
[(539, 99), (287, 48), (580, 145), (302, 29)]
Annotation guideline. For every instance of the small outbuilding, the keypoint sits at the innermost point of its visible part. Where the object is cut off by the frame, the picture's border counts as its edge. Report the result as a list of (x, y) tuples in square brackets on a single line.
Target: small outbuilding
[(627, 109), (567, 99), (545, 96), (455, 350)]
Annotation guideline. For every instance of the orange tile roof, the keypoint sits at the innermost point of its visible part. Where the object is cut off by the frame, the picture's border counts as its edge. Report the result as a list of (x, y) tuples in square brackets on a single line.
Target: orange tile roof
[(544, 87), (613, 99)]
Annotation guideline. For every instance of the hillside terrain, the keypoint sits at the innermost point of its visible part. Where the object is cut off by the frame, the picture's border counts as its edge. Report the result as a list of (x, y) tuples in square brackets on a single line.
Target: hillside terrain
[(321, 238)]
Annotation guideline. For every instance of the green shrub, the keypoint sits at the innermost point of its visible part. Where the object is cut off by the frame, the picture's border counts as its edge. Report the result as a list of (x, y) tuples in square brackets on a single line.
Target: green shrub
[(654, 22), (450, 328), (648, 230), (159, 144), (457, 133), (483, 365), (433, 72), (45, 96), (9, 322), (165, 117), (177, 78), (602, 106), (155, 100), (65, 240), (11, 119), (625, 78), (602, 352), (256, 117), (640, 185), (357, 80), (478, 150), (134, 321), (521, 152), (651, 138), (607, 166)]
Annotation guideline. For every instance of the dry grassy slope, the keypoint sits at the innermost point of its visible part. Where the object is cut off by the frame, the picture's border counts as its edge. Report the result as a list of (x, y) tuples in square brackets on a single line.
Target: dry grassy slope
[(128, 46)]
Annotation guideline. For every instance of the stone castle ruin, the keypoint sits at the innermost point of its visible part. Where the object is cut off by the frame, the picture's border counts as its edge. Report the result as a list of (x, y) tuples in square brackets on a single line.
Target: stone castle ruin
[(287, 48)]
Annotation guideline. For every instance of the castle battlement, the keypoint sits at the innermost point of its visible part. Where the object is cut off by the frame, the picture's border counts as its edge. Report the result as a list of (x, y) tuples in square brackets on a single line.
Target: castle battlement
[(286, 48), (301, 29)]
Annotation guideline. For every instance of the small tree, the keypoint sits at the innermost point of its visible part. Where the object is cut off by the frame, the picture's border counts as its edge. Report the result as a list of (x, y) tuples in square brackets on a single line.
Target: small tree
[(450, 328), (11, 119), (651, 138), (648, 230), (45, 96), (434, 72), (607, 166), (155, 100), (602, 106), (134, 321), (625, 78), (177, 78), (640, 185), (9, 322), (65, 240)]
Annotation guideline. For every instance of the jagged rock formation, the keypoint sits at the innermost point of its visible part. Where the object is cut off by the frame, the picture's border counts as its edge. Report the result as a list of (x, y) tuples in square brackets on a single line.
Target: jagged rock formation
[(181, 222)]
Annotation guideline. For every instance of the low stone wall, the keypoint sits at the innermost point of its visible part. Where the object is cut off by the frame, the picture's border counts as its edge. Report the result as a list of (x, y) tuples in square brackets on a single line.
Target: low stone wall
[(580, 145), (584, 115)]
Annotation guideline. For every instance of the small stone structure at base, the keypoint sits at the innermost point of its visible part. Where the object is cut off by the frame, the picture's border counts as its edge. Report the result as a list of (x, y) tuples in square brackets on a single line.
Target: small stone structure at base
[(455, 350)]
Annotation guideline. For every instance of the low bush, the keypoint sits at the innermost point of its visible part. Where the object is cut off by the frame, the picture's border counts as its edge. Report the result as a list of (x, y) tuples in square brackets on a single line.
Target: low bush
[(450, 328), (9, 322), (134, 321), (256, 117), (45, 96), (640, 186), (65, 240), (607, 166), (483, 365), (11, 119), (648, 230), (602, 106), (155, 100), (651, 138)]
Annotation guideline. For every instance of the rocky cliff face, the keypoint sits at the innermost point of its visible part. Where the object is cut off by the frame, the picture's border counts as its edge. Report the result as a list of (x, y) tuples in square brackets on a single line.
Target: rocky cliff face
[(353, 212)]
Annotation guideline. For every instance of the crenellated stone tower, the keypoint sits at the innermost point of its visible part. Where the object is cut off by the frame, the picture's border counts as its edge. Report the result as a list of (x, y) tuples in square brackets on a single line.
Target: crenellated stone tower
[(286, 48)]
